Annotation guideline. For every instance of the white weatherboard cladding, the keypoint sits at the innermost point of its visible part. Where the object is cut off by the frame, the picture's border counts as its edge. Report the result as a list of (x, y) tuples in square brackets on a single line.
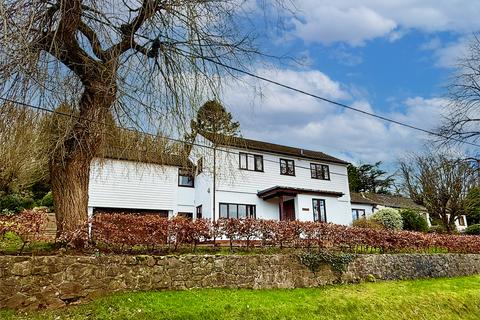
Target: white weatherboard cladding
[(264, 209), (133, 185), (231, 178), (338, 211)]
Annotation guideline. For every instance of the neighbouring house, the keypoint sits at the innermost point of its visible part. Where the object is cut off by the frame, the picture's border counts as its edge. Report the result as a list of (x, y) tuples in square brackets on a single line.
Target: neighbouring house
[(365, 204), (235, 178)]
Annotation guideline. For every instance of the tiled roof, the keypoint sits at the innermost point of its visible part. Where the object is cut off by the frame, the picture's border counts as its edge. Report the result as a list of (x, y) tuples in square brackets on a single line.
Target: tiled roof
[(393, 201), (359, 198), (147, 157), (250, 144), (280, 190)]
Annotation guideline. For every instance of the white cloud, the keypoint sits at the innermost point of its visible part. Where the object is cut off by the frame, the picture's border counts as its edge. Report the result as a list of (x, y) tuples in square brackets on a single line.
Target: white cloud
[(326, 24), (290, 118), (274, 99), (448, 55), (354, 22)]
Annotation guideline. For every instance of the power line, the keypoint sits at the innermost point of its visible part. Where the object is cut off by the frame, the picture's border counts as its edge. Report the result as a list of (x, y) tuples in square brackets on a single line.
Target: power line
[(339, 104), (153, 135)]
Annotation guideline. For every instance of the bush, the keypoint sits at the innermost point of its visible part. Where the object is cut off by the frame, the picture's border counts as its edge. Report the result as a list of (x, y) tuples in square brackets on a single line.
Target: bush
[(414, 220), (27, 225), (367, 223), (47, 200), (389, 218), (126, 232), (15, 203), (437, 228), (474, 229)]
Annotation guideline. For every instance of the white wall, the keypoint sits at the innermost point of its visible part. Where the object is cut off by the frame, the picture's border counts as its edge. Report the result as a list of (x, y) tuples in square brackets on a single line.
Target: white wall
[(364, 206), (337, 211), (240, 186), (133, 185)]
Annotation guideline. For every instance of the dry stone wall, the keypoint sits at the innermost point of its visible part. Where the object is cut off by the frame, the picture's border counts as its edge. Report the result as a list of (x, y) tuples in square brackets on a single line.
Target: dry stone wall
[(56, 281)]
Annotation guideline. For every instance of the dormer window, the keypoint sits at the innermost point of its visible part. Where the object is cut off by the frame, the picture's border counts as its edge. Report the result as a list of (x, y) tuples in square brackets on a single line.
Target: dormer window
[(287, 167), (185, 178), (200, 165), (319, 171), (252, 162)]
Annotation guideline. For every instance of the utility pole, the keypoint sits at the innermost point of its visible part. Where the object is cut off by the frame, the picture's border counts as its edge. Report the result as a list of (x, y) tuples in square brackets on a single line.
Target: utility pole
[(214, 179)]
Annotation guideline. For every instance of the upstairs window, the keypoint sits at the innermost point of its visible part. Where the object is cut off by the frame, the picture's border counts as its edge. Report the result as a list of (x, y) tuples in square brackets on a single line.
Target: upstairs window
[(237, 211), (319, 171), (185, 178), (287, 167), (200, 165), (252, 162)]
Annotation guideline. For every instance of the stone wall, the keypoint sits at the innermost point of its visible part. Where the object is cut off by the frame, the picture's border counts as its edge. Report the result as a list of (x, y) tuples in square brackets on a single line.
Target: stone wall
[(56, 281)]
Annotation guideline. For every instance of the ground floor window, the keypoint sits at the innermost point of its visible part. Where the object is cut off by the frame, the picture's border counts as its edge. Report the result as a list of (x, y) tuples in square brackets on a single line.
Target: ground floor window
[(237, 211), (199, 212), (101, 210), (461, 221), (319, 210), (188, 215), (358, 214)]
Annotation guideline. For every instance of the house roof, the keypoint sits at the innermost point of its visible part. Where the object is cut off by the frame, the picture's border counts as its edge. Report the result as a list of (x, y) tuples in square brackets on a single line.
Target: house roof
[(250, 144), (359, 198), (393, 201), (147, 157), (290, 191)]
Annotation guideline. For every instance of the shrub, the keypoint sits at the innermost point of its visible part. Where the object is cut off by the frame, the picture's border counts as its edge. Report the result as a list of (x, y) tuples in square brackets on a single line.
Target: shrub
[(438, 228), (27, 225), (474, 229), (367, 223), (125, 232), (389, 218), (15, 203), (414, 220), (47, 200)]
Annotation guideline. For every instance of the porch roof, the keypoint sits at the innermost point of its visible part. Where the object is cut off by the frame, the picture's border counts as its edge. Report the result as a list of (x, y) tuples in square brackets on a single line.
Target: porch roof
[(278, 191)]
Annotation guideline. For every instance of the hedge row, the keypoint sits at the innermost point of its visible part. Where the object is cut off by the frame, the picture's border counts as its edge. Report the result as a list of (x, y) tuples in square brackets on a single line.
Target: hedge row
[(126, 231)]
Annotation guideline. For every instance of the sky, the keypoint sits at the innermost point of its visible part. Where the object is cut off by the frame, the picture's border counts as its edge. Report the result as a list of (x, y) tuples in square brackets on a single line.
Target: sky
[(394, 58)]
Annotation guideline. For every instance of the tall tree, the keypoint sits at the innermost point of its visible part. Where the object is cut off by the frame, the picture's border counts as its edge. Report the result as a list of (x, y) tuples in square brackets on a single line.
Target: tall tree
[(369, 178), (440, 183), (144, 61), (472, 206), (214, 118)]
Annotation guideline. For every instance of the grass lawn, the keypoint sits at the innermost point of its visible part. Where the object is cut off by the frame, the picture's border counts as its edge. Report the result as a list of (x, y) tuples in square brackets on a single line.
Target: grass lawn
[(456, 298)]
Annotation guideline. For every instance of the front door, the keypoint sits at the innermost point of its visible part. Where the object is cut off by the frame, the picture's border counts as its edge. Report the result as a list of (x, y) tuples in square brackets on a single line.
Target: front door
[(289, 210)]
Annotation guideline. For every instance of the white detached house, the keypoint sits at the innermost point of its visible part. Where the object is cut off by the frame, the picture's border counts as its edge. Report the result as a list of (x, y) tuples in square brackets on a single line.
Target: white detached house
[(234, 179)]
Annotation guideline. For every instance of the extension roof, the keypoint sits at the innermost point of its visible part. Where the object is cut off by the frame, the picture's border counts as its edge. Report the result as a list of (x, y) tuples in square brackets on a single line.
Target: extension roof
[(393, 201)]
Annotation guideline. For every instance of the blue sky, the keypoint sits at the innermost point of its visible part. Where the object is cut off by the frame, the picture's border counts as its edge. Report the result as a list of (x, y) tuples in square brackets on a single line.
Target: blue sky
[(394, 58)]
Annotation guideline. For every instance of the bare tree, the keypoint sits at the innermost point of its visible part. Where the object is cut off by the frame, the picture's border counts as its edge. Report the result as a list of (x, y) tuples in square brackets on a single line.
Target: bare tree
[(146, 63), (462, 121), (23, 160), (440, 183)]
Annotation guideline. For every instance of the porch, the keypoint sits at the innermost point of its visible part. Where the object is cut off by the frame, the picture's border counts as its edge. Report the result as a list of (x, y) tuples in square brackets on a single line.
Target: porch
[(286, 199)]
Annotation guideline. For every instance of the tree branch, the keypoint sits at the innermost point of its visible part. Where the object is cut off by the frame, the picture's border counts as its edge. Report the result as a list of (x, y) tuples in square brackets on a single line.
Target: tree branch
[(147, 11), (93, 39)]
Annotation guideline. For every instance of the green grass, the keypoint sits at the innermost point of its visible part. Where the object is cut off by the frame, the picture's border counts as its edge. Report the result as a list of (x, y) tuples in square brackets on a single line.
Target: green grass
[(10, 243), (456, 298)]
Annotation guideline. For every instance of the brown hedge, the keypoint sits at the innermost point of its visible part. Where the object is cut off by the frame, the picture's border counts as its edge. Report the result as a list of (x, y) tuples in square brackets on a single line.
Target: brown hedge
[(125, 231)]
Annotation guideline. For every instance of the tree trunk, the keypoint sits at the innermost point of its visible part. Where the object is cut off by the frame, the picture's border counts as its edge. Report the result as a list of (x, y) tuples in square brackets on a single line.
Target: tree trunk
[(70, 164)]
